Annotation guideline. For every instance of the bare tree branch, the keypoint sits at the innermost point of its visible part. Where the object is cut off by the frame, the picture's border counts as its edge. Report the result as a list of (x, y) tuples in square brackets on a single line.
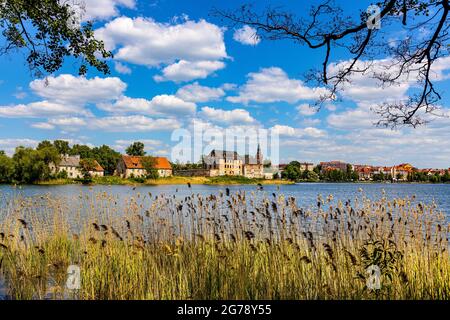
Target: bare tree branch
[(326, 28)]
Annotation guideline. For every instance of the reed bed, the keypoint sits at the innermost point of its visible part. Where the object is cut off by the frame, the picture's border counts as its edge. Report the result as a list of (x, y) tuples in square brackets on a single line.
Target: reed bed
[(226, 246)]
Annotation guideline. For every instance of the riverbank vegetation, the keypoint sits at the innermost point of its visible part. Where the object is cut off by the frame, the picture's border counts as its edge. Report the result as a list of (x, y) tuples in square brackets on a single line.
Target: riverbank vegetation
[(31, 165), (244, 245), (293, 172), (172, 180)]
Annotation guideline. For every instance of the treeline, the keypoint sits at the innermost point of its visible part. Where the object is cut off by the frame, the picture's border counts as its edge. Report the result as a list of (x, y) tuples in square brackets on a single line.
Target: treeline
[(30, 165), (434, 178), (186, 166), (415, 176), (27, 165), (293, 172)]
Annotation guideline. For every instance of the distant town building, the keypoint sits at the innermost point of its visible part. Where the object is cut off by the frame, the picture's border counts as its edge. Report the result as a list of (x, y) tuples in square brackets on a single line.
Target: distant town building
[(365, 172), (402, 171), (387, 171), (306, 166), (334, 165), (71, 165), (132, 166), (397, 173)]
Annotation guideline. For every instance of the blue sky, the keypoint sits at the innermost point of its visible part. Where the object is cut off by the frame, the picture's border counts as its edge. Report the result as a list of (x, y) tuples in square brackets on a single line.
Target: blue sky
[(175, 64)]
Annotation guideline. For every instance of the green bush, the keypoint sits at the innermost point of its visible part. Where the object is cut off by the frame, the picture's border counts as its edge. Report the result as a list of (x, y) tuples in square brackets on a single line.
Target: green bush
[(232, 180)]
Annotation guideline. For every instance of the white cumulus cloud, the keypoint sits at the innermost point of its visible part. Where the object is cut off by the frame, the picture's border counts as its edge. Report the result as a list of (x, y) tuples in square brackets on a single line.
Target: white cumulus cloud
[(159, 105), (247, 35), (274, 85), (227, 116), (288, 131), (133, 124), (187, 70), (42, 109), (189, 49), (67, 88), (197, 93)]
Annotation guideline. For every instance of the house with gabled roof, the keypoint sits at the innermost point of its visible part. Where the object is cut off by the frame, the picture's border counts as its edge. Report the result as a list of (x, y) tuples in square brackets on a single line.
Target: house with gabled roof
[(132, 167), (71, 165)]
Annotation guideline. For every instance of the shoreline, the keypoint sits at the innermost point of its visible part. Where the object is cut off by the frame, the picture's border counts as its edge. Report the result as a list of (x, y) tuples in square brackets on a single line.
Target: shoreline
[(174, 180), (177, 180)]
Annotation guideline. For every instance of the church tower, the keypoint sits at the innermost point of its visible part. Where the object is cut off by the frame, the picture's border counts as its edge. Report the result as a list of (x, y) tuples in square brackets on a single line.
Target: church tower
[(259, 156)]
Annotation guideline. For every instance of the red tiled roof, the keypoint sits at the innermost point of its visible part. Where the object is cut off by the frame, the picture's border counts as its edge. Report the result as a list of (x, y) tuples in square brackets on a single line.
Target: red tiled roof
[(162, 163), (98, 167), (134, 162)]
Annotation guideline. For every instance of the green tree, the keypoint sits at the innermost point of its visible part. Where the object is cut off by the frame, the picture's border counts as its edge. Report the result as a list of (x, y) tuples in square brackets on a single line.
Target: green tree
[(49, 155), (379, 177), (312, 176), (176, 166), (44, 144), (6, 168), (446, 176), (435, 178), (86, 166), (149, 165), (292, 171), (62, 146), (49, 31), (136, 149), (106, 157), (31, 165), (82, 150), (335, 175), (318, 169)]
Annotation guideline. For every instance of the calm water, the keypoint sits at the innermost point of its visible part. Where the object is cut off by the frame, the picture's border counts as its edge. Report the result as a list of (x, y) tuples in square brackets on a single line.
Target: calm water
[(306, 194)]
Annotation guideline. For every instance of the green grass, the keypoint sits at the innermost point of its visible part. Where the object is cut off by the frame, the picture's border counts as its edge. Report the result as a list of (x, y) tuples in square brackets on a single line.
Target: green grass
[(56, 182), (112, 180), (224, 180), (230, 246), (232, 180)]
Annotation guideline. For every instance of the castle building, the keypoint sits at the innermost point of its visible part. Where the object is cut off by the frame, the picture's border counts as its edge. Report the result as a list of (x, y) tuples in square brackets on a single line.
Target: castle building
[(253, 167), (230, 163)]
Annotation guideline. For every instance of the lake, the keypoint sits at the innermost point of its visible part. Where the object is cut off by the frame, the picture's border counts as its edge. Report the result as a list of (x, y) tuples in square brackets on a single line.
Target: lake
[(305, 194)]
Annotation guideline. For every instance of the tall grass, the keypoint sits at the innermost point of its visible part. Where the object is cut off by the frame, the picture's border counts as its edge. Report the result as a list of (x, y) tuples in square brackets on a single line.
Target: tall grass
[(227, 246)]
